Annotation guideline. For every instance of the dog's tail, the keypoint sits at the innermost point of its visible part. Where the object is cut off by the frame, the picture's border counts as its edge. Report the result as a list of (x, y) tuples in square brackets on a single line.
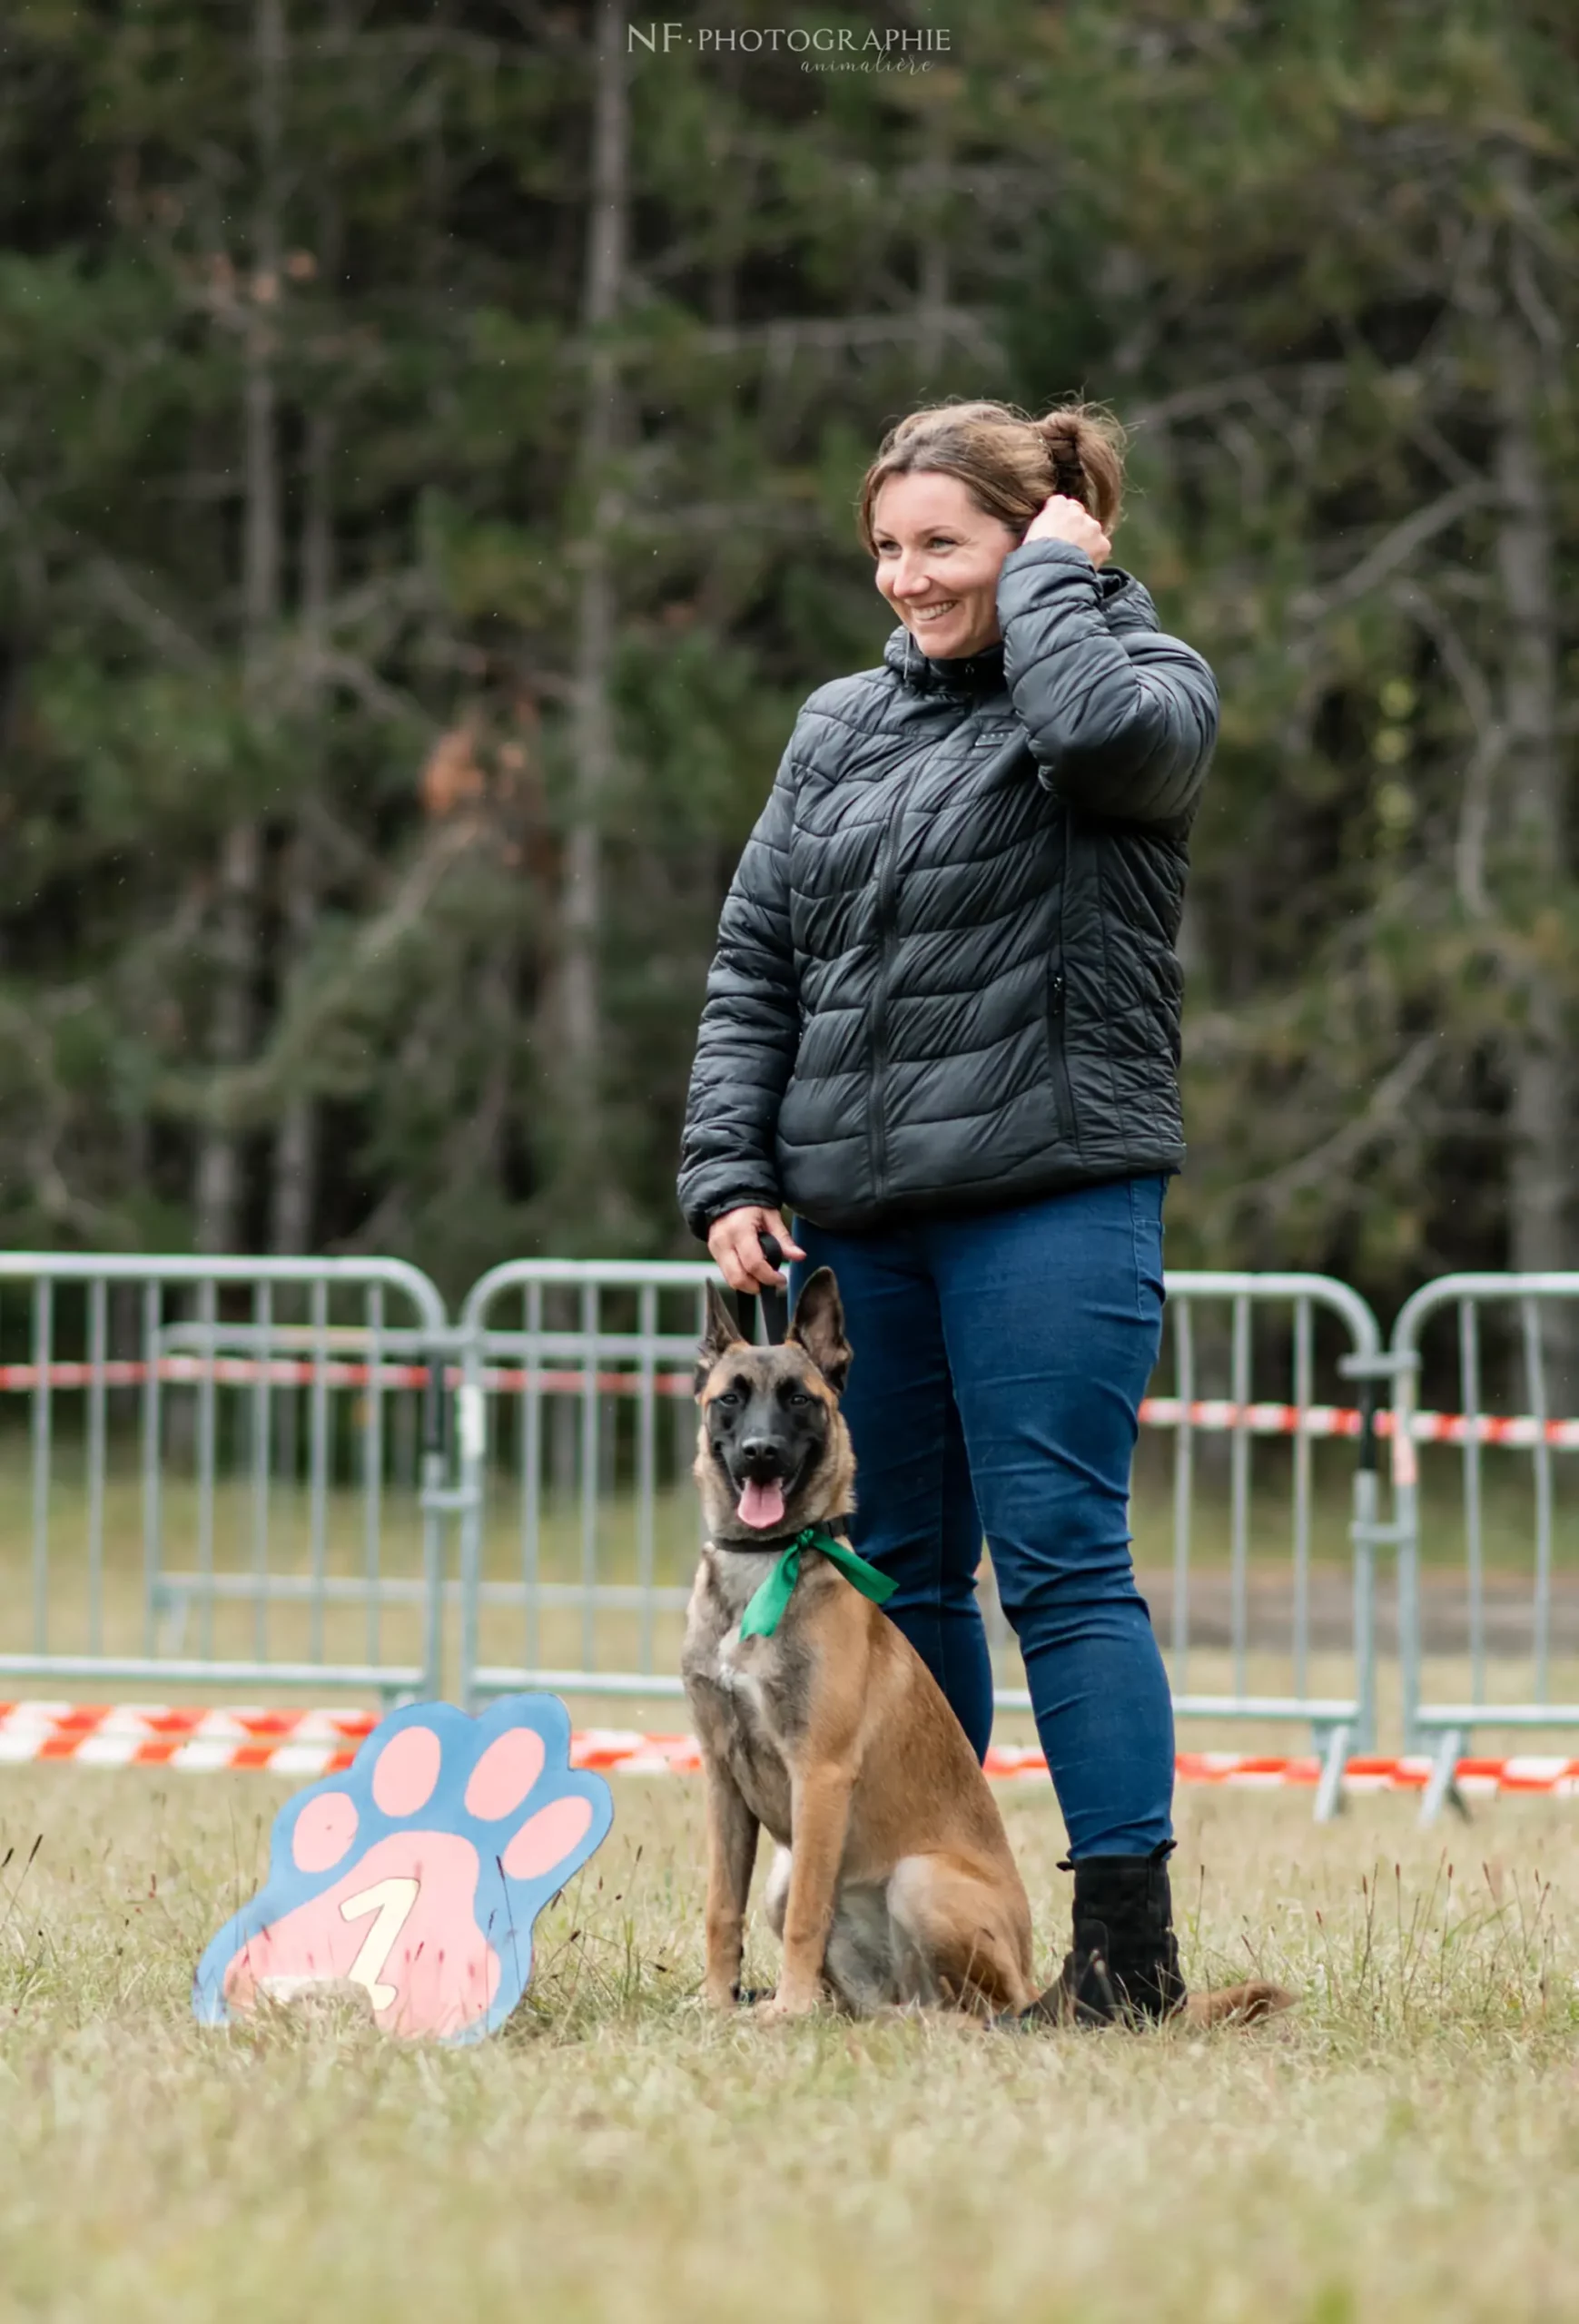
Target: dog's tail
[(1237, 2004), (1229, 2005)]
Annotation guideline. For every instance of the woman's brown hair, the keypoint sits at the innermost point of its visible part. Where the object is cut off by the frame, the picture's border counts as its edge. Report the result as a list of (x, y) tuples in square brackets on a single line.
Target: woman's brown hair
[(1007, 461)]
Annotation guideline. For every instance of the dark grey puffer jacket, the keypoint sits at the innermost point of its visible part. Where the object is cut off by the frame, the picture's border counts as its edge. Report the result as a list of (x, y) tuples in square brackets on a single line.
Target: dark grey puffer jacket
[(945, 977)]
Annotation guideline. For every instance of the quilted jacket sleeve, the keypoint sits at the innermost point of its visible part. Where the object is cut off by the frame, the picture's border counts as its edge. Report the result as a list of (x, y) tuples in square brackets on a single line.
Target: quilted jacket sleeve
[(745, 1048), (1121, 720)]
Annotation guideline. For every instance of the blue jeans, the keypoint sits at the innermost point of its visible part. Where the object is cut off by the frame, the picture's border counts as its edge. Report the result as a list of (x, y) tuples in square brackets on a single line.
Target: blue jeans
[(1000, 1361)]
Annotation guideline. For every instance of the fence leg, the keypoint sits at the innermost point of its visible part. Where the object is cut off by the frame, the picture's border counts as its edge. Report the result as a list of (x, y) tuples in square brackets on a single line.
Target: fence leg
[(432, 1503), (472, 1435), (172, 1625), (1334, 1759), (1441, 1791)]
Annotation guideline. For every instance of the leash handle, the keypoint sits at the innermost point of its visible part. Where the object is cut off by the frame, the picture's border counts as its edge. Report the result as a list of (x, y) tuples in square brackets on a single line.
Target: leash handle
[(775, 1303)]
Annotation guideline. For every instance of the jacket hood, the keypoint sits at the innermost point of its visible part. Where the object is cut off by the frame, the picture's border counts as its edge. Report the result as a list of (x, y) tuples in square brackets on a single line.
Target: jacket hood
[(925, 674)]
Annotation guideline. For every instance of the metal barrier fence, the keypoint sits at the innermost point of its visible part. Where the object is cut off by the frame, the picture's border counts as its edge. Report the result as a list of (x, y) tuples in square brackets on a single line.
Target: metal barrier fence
[(579, 1526), (1489, 1544), (223, 1474), (248, 1457)]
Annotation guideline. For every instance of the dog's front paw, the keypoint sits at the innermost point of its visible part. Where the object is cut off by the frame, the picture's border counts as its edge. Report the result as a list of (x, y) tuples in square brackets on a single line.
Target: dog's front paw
[(729, 1998), (784, 2005)]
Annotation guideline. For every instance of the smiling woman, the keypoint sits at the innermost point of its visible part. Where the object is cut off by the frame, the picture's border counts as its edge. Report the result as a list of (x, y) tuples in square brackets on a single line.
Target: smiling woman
[(940, 538), (942, 1025)]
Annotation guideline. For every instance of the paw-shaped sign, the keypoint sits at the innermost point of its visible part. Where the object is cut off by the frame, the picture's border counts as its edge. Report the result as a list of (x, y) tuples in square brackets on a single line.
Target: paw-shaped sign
[(417, 1873)]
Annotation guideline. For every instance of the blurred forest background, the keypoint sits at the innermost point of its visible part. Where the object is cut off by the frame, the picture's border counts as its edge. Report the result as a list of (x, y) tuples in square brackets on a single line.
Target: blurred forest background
[(429, 436)]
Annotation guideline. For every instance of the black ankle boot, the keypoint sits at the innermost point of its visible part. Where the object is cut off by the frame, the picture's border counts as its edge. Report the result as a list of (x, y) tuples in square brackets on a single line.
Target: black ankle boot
[(1124, 1965)]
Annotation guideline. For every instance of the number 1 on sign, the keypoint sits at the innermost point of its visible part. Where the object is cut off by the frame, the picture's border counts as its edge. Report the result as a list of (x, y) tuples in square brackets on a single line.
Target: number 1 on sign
[(393, 1901)]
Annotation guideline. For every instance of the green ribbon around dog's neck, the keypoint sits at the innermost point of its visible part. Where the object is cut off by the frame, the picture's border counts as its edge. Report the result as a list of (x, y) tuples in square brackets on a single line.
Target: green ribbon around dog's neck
[(766, 1611)]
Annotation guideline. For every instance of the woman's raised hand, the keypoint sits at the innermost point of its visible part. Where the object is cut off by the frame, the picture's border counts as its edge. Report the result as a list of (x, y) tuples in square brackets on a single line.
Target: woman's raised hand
[(1063, 519), (735, 1239)]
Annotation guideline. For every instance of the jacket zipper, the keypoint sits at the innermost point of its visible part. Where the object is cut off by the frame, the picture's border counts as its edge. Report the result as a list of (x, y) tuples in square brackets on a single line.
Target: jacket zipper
[(1062, 1100), (877, 1126)]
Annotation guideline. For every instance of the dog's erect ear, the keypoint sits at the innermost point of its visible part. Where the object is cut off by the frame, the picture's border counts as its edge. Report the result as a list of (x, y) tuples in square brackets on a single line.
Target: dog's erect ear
[(819, 1327), (721, 1332)]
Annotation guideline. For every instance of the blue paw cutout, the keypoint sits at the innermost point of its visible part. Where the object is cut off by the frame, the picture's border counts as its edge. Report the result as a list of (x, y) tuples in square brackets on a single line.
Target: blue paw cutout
[(418, 1873)]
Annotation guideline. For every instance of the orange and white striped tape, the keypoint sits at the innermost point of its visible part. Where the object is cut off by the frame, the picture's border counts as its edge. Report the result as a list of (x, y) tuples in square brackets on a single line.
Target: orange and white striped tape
[(1213, 1415), (1476, 1778), (305, 1744), (299, 1743)]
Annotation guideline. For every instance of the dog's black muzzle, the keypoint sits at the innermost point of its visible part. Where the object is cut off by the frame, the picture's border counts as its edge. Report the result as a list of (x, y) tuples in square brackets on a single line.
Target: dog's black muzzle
[(760, 1461), (742, 1470)]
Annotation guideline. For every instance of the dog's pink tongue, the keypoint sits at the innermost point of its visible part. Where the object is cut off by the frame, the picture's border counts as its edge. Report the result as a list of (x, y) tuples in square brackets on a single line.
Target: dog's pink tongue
[(761, 1505)]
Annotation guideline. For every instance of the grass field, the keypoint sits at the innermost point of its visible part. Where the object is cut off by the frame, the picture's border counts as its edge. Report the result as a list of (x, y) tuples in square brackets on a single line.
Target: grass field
[(1403, 2148)]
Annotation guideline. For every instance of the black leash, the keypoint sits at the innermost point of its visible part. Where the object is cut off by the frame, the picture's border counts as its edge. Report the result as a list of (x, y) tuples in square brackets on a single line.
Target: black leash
[(775, 1303)]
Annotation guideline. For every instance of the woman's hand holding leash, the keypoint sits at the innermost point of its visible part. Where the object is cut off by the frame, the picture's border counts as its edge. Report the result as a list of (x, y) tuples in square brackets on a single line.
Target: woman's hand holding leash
[(735, 1239), (1063, 519)]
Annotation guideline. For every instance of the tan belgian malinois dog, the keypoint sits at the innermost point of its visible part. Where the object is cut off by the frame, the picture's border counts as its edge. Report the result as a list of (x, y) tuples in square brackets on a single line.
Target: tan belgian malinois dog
[(893, 1882)]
